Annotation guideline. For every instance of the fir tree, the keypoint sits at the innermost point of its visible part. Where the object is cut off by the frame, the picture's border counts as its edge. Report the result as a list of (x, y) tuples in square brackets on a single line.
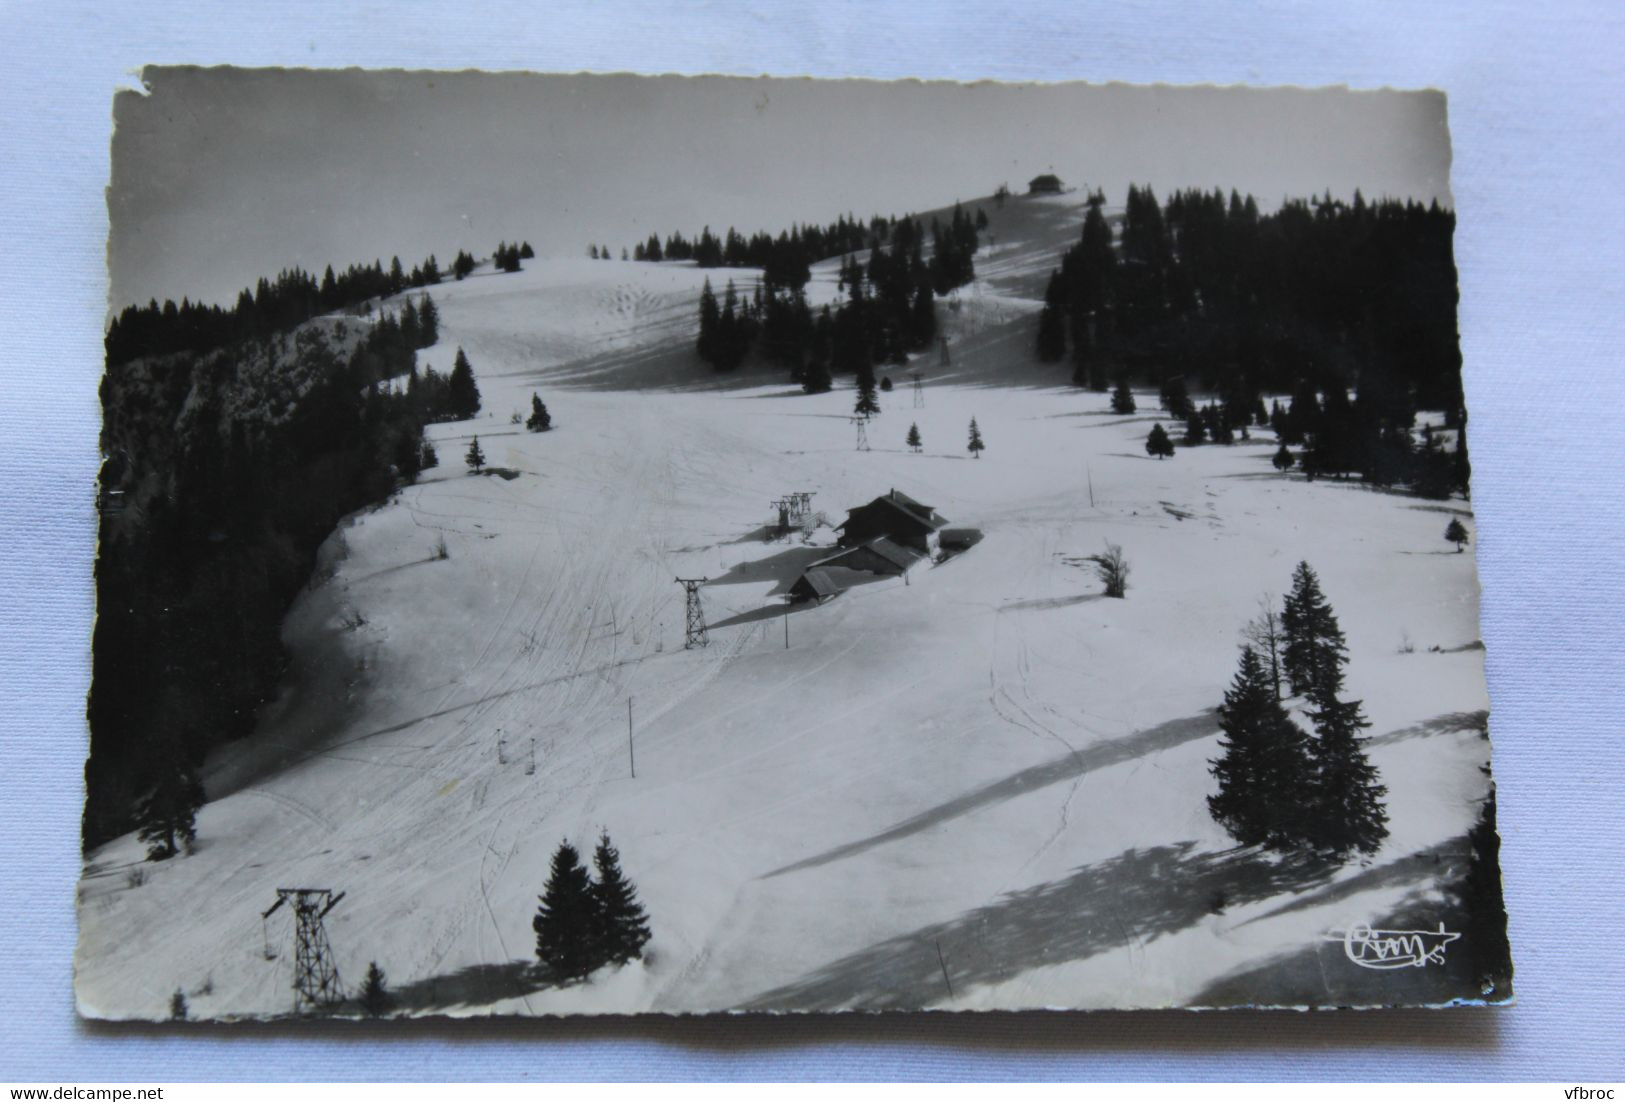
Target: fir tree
[(408, 456), (462, 393), (867, 404), (1484, 918), (526, 252), (710, 319), (1122, 398), (566, 922), (975, 445), (474, 457), (1084, 371), (1314, 649), (1345, 799), (1052, 322), (375, 997), (815, 377), (1194, 430), (913, 439), (622, 926), (923, 316), (506, 257), (409, 330), (1175, 399), (167, 814), (429, 458), (539, 420), (1158, 444), (1265, 766), (1456, 534), (885, 384), (428, 322), (1283, 459), (177, 1006)]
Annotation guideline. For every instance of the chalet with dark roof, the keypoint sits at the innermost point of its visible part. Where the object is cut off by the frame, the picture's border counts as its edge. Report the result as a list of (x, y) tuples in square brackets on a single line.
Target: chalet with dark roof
[(1044, 184), (895, 517)]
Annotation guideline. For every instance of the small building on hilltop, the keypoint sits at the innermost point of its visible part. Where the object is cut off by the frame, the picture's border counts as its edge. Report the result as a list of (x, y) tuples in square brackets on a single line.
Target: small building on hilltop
[(895, 517), (1044, 184)]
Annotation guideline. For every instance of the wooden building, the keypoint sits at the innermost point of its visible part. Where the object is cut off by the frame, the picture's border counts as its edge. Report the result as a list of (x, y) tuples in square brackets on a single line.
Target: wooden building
[(815, 585), (895, 517), (878, 556)]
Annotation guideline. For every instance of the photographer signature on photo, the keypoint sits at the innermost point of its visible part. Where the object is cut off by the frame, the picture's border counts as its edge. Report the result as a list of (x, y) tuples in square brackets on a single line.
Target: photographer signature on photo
[(1388, 949)]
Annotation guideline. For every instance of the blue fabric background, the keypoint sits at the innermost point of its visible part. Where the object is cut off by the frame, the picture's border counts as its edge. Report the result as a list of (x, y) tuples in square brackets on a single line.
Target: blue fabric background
[(1534, 104)]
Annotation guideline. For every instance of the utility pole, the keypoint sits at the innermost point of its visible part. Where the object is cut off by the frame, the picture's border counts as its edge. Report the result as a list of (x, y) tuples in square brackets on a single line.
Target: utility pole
[(919, 389), (315, 977), (787, 623), (631, 757), (694, 622), (1090, 472), (863, 433)]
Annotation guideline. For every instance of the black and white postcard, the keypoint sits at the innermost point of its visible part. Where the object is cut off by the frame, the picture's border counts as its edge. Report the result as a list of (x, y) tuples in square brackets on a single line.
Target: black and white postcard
[(610, 544)]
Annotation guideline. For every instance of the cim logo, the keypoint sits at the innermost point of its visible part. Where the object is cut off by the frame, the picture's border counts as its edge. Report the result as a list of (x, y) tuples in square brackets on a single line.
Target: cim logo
[(1389, 949)]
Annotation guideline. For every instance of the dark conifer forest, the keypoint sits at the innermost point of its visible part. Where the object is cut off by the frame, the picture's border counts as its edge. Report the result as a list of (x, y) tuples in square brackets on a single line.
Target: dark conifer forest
[(272, 306), (233, 443), (888, 311), (1317, 299)]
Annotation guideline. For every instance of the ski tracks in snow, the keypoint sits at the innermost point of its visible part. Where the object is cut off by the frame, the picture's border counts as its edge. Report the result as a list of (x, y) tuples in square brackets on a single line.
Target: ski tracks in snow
[(1014, 712)]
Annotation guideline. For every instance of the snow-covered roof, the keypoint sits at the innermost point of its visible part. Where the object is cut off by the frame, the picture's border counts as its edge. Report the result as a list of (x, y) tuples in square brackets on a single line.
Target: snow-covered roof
[(894, 553), (819, 582)]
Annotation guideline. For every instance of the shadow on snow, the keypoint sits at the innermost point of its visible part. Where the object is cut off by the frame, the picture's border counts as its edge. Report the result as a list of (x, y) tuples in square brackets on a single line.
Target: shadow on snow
[(1101, 755), (1447, 724), (1119, 904), (476, 985)]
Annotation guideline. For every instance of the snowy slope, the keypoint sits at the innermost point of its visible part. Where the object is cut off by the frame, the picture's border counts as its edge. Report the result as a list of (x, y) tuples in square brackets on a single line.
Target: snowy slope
[(987, 776)]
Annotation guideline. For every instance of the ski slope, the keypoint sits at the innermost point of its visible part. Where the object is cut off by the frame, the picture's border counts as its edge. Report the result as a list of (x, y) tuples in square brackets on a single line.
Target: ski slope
[(983, 786)]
